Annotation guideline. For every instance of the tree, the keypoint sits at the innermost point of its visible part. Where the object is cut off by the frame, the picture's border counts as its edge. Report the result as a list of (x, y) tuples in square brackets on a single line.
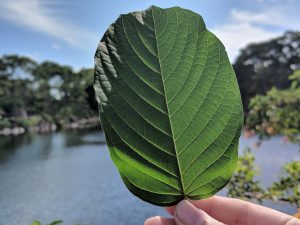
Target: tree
[(277, 112), (15, 74), (15, 66), (262, 66), (46, 92)]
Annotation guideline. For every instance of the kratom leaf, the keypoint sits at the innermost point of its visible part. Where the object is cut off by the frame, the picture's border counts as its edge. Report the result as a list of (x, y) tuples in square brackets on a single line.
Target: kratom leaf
[(169, 105)]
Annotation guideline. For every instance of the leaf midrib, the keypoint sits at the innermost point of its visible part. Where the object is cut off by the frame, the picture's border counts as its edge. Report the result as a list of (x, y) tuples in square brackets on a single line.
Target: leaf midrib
[(173, 140)]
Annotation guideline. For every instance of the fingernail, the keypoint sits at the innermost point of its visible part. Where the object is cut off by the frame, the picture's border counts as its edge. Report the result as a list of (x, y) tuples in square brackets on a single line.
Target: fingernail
[(188, 214)]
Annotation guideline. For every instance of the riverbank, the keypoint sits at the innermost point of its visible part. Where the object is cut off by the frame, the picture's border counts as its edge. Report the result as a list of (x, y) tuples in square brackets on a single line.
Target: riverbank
[(35, 124)]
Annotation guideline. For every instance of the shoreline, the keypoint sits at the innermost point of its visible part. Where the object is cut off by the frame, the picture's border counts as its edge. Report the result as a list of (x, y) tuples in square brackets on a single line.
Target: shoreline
[(46, 127)]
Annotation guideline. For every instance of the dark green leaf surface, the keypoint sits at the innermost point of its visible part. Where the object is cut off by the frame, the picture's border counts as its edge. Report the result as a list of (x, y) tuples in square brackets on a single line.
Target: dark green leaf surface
[(169, 105)]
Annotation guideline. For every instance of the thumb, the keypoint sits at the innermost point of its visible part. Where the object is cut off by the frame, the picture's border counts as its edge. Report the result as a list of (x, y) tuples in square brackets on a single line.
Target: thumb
[(187, 214)]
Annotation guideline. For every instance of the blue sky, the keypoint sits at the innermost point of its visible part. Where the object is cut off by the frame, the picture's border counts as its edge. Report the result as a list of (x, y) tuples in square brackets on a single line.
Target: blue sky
[(68, 31)]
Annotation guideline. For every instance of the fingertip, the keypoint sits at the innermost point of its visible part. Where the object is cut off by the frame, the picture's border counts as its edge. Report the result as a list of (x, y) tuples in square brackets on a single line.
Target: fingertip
[(158, 220), (152, 221), (186, 213)]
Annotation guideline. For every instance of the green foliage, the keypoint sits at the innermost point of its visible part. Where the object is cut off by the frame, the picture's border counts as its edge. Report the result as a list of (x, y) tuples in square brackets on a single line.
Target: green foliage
[(169, 105), (33, 93), (36, 222), (52, 223), (33, 120), (14, 66), (243, 184), (5, 123), (288, 186), (277, 112), (56, 222)]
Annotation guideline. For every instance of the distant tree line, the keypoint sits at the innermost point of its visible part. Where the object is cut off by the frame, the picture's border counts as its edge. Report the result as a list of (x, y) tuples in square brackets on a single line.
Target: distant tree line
[(32, 92)]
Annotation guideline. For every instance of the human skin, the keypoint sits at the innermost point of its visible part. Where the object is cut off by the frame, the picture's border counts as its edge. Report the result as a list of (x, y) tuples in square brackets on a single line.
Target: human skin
[(219, 211)]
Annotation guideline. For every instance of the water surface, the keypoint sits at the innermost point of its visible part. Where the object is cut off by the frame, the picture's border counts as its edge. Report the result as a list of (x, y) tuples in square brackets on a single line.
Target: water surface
[(70, 176)]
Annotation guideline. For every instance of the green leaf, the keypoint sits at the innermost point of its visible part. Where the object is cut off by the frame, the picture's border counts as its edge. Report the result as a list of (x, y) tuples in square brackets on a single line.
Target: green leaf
[(56, 222), (36, 222), (169, 105)]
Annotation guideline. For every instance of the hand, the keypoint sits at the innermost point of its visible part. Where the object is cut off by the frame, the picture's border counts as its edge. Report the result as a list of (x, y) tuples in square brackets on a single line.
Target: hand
[(221, 211)]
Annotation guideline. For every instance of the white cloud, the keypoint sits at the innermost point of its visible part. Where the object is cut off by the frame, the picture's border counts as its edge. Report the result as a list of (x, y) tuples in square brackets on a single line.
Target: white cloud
[(273, 1), (248, 27), (55, 46), (237, 35), (40, 16), (269, 17), (262, 1)]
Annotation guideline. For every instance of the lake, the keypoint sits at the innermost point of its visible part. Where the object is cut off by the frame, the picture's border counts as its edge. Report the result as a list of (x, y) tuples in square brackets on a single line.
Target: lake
[(70, 176)]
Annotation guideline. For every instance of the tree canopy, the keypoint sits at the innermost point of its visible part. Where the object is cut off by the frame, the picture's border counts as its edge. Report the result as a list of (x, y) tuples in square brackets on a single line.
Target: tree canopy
[(262, 66), (53, 91)]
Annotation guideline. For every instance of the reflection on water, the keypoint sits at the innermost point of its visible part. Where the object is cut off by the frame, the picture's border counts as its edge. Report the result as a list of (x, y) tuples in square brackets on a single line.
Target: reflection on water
[(8, 145), (64, 176), (71, 177)]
